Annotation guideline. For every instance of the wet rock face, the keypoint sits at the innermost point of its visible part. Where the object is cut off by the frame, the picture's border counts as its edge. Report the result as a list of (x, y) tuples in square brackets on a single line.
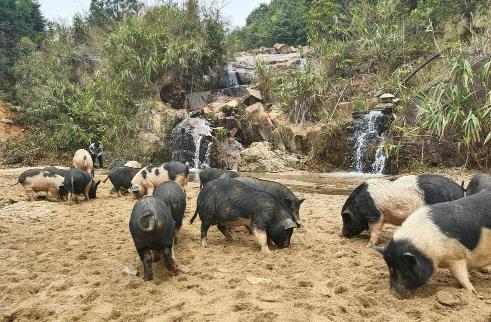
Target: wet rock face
[(191, 142)]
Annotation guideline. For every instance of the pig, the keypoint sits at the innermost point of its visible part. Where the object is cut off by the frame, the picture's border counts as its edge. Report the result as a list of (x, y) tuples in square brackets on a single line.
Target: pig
[(210, 174), (379, 201), (174, 197), (56, 170), (455, 235), (133, 164), (152, 229), (36, 180), (83, 161), (145, 181), (228, 202), (121, 178), (281, 192), (77, 182), (479, 181)]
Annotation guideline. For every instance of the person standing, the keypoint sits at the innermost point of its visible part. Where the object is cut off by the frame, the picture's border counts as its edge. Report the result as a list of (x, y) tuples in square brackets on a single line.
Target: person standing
[(95, 150)]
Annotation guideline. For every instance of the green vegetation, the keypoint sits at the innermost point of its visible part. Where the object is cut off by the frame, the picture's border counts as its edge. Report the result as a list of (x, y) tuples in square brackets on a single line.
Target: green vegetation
[(280, 21), (87, 82), (98, 76), (21, 32)]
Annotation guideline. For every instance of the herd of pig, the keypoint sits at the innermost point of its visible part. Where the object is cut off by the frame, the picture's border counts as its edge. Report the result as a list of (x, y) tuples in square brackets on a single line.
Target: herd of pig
[(442, 224)]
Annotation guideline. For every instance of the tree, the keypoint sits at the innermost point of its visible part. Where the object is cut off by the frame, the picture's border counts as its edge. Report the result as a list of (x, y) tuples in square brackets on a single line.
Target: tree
[(103, 12), (21, 30)]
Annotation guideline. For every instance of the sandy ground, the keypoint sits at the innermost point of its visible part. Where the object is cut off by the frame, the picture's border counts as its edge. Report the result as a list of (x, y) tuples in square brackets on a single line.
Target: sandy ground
[(61, 262)]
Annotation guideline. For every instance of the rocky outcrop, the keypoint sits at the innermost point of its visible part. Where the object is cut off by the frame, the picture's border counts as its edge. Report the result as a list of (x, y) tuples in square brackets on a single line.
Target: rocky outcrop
[(260, 157)]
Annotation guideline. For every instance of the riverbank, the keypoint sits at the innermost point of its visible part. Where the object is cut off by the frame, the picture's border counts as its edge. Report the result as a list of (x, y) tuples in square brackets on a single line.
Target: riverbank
[(60, 262)]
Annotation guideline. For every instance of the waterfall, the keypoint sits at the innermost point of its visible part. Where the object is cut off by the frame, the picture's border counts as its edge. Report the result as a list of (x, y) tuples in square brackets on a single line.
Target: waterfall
[(191, 141), (369, 130), (232, 79)]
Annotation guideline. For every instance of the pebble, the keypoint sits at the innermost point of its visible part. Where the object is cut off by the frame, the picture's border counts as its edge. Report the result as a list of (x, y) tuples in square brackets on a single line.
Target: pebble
[(341, 253), (446, 298), (254, 280), (128, 270), (340, 289)]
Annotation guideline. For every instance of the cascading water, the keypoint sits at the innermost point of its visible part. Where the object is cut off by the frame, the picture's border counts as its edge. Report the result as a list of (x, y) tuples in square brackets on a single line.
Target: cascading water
[(191, 141), (369, 130)]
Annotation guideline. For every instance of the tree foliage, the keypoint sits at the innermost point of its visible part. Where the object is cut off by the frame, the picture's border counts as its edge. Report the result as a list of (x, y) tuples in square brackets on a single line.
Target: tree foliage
[(106, 12), (87, 82), (21, 30), (280, 21)]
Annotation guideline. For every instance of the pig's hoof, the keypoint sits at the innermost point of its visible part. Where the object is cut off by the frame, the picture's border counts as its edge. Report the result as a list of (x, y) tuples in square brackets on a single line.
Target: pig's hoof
[(204, 243)]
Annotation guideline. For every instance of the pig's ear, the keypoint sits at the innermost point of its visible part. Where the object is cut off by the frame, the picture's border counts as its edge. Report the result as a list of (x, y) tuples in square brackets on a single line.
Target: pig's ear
[(380, 249), (288, 223), (410, 259), (289, 202)]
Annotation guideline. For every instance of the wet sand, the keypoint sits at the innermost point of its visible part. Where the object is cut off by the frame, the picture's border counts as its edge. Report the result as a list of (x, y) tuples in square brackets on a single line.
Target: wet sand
[(65, 263)]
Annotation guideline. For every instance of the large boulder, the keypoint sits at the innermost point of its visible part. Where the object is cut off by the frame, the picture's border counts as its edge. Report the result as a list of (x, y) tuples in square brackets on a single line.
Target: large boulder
[(260, 157), (282, 49)]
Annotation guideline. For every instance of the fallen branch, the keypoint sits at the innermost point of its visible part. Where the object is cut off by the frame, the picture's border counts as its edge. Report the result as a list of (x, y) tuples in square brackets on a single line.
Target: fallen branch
[(429, 60)]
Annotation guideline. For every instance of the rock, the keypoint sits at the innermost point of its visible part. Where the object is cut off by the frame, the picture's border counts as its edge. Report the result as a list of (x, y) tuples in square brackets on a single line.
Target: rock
[(7, 121), (255, 108), (341, 253), (282, 49), (233, 103), (446, 298), (254, 93), (260, 157), (131, 271), (340, 289), (254, 280), (196, 100), (387, 98)]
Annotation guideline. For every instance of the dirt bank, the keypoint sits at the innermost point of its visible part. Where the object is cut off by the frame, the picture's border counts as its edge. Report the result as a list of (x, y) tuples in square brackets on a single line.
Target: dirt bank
[(60, 262)]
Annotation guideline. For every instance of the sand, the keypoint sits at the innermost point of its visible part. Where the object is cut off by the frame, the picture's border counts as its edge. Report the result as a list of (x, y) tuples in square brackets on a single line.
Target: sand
[(65, 263)]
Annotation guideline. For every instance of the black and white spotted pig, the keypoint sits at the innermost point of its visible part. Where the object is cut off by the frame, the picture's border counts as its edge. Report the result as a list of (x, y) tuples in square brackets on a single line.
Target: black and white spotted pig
[(228, 202), (173, 196), (79, 182), (121, 178), (37, 180), (145, 181), (152, 229), (207, 175), (379, 201), (455, 235), (479, 181)]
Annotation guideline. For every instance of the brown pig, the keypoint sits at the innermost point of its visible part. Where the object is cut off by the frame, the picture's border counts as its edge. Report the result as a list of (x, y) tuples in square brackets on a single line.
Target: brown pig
[(83, 161)]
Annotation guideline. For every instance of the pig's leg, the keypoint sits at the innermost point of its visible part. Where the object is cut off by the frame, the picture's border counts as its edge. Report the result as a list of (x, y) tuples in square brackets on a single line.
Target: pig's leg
[(224, 230), (204, 233), (375, 231), (459, 270), (118, 191), (76, 198), (86, 195), (262, 239), (146, 258), (70, 198), (175, 235), (169, 261), (30, 194), (150, 191), (249, 229), (155, 255)]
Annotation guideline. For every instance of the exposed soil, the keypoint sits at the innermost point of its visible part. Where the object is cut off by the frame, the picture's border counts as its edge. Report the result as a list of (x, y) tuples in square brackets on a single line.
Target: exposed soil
[(7, 129), (62, 262)]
